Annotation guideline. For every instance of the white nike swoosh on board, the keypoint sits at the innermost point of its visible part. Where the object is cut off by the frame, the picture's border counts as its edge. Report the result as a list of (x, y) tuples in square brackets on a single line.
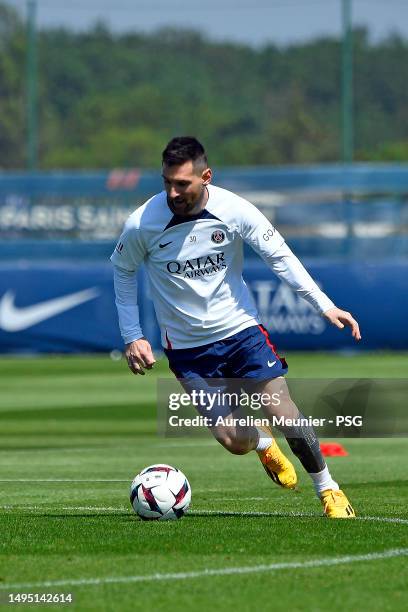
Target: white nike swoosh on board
[(13, 318), (271, 363)]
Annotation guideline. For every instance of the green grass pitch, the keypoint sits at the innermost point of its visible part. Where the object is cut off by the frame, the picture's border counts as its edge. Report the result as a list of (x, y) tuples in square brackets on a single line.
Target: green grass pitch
[(74, 432)]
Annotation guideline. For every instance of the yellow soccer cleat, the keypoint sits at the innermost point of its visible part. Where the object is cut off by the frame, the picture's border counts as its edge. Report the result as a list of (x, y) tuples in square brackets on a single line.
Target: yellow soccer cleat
[(336, 504), (277, 466)]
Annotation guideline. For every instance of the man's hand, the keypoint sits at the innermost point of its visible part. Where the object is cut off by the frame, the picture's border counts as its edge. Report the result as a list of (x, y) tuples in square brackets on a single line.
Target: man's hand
[(139, 355), (340, 318)]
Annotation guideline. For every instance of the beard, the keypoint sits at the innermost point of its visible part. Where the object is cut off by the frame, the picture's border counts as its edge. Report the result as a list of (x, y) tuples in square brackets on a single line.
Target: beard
[(181, 206)]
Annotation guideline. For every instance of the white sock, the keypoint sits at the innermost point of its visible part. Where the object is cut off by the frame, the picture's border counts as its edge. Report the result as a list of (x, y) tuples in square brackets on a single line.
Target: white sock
[(323, 480), (264, 441)]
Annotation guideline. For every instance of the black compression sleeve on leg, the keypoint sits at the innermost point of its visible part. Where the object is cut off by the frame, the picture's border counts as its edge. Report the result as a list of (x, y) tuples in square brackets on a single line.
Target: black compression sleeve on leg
[(304, 444)]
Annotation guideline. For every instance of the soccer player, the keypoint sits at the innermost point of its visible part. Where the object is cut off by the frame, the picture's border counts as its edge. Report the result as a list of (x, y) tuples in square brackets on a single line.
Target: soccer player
[(190, 238)]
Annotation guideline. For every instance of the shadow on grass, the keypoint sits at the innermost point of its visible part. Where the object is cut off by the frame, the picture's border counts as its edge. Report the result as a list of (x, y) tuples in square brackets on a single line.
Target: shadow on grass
[(254, 514)]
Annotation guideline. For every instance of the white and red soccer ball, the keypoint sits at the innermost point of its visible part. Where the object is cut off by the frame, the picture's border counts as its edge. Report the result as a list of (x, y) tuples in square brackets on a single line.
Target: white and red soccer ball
[(160, 492)]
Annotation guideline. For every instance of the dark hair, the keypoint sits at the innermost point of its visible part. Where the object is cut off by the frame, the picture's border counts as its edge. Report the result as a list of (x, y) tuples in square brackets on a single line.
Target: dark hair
[(185, 148)]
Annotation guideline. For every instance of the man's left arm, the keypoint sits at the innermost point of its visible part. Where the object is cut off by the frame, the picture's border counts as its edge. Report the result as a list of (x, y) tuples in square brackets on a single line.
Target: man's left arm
[(288, 267), (258, 232)]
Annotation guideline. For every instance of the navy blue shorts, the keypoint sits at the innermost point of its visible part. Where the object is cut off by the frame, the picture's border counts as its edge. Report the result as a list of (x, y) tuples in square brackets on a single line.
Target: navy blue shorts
[(235, 363), (248, 354)]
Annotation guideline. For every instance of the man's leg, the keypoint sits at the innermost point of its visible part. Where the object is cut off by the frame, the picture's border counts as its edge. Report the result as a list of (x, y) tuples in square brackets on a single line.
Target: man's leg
[(305, 445), (220, 366), (239, 439), (233, 437), (236, 438)]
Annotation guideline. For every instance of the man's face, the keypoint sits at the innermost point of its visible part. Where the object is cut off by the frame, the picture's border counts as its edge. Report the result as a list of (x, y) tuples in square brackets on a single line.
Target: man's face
[(184, 186)]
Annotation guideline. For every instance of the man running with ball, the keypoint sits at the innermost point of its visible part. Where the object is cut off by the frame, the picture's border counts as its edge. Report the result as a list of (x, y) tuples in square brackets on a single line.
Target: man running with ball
[(190, 237)]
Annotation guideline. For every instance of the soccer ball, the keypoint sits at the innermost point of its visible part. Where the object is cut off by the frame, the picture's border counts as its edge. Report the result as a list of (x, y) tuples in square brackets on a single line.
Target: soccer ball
[(160, 492)]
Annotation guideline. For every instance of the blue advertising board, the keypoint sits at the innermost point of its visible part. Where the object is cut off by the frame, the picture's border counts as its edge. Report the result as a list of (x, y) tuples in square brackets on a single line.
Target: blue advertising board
[(375, 293), (63, 308), (69, 307)]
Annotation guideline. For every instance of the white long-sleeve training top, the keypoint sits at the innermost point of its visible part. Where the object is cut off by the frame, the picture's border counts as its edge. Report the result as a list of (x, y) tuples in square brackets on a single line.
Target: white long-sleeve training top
[(194, 265)]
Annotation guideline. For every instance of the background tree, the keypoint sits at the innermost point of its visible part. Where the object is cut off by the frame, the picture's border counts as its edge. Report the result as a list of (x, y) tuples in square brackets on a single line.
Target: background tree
[(114, 100)]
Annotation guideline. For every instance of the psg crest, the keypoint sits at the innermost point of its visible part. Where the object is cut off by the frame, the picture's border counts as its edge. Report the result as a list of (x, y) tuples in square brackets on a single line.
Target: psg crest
[(217, 236)]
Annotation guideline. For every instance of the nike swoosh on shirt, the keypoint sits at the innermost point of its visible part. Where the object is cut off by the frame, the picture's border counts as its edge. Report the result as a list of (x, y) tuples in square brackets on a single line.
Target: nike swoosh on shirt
[(13, 318), (165, 244), (271, 363)]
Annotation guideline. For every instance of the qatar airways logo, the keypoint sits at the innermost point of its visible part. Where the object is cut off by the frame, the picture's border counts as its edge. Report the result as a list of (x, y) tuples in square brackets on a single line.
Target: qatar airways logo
[(198, 267)]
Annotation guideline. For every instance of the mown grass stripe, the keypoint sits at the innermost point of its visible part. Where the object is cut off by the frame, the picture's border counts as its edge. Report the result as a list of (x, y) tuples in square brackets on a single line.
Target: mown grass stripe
[(232, 513), (206, 572)]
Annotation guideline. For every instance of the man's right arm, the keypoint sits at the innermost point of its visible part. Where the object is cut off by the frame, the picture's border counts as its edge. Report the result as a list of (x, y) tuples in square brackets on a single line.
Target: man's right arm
[(138, 351), (125, 284), (126, 258)]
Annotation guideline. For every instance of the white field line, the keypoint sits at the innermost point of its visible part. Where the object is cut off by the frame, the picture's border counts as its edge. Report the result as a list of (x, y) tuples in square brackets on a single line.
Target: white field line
[(88, 480), (72, 508), (197, 512), (65, 480), (206, 572), (384, 519)]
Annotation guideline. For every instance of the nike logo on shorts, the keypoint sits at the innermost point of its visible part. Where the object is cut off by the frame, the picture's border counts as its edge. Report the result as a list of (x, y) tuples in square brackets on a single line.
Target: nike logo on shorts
[(165, 244), (271, 363)]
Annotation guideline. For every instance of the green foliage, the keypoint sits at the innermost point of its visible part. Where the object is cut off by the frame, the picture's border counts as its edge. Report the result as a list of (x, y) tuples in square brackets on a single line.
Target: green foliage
[(110, 100), (390, 151), (12, 89)]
